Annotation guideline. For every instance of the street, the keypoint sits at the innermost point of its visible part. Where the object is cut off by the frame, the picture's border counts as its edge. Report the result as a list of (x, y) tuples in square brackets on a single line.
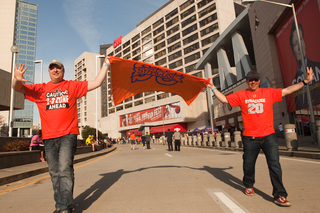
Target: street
[(155, 180)]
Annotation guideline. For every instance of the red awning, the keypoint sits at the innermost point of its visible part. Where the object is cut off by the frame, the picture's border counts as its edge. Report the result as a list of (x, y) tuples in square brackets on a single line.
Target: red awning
[(158, 129), (135, 131)]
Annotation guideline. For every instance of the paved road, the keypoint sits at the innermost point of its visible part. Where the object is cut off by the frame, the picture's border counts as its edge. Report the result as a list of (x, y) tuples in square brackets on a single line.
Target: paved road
[(193, 180)]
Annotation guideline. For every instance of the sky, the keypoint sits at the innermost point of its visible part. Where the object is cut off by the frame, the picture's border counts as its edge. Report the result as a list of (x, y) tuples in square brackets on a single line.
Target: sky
[(67, 28)]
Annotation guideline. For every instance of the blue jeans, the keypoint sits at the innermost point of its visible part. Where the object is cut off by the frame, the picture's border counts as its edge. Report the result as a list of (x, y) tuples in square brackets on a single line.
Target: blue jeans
[(269, 145), (60, 153)]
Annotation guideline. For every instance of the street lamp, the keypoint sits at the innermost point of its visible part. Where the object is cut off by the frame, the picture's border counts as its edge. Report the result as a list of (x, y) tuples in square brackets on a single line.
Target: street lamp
[(97, 57), (313, 132), (41, 72), (15, 50)]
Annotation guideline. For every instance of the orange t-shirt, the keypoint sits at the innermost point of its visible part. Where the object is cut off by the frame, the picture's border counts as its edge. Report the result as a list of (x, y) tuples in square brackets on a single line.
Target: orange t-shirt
[(256, 110), (132, 137), (57, 104)]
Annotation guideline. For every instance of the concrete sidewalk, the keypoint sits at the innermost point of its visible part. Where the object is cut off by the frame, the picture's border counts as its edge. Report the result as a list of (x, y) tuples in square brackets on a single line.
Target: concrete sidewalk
[(12, 174)]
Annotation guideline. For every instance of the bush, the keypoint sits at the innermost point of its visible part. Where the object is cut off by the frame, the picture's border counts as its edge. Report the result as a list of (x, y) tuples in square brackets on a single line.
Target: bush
[(16, 146)]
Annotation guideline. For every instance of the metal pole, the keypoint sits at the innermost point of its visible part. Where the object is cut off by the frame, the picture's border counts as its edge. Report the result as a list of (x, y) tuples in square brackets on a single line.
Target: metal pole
[(304, 68), (207, 69), (97, 56), (11, 97)]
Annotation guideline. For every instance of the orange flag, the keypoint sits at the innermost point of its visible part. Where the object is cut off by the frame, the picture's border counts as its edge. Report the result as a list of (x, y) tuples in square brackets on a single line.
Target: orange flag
[(129, 78)]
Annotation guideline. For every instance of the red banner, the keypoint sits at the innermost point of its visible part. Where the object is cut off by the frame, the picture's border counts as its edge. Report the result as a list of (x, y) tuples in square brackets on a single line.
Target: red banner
[(290, 56), (129, 78), (160, 113)]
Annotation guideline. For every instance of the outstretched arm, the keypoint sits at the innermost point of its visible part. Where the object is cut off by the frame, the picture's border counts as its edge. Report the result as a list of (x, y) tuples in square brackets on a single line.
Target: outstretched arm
[(18, 78), (221, 97), (100, 77), (290, 89)]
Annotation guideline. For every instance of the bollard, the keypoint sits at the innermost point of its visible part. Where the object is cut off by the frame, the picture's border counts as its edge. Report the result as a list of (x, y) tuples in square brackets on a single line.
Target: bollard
[(318, 131), (237, 139), (205, 139), (291, 137), (227, 139), (194, 140), (218, 140), (211, 139), (199, 140), (189, 140)]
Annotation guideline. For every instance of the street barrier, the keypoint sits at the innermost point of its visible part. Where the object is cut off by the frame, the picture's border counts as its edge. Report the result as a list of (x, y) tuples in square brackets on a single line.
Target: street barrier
[(218, 140), (227, 139), (291, 137), (237, 139)]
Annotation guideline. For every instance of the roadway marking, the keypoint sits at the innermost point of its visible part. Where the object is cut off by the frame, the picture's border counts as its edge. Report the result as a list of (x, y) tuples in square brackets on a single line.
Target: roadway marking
[(48, 176), (168, 155), (218, 196)]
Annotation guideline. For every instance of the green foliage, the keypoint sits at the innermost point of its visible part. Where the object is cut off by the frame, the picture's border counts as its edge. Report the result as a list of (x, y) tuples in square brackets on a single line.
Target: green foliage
[(16, 145), (87, 130)]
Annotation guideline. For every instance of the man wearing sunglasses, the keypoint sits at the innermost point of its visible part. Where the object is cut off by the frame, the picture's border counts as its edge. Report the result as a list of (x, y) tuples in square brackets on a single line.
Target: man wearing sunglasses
[(258, 129)]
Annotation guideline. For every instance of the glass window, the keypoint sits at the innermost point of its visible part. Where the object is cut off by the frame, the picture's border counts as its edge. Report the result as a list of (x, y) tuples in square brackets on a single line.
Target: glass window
[(173, 29), (208, 20), (190, 39), (126, 44), (119, 55), (159, 46), (135, 38), (147, 53), (175, 55), (138, 96), (209, 29), (137, 103), (175, 64), (135, 44), (137, 58), (191, 48), (188, 21), (119, 108), (174, 47), (190, 68), (160, 62), (192, 57), (172, 22), (150, 99), (173, 38), (128, 99), (148, 60), (128, 106), (148, 93), (136, 51), (186, 4), (146, 39), (188, 12), (159, 30), (209, 40), (171, 14), (207, 10), (198, 74), (127, 56), (204, 51), (203, 3), (146, 46), (160, 54), (126, 50), (157, 23), (189, 30), (162, 96), (144, 32), (112, 110), (117, 50), (159, 38)]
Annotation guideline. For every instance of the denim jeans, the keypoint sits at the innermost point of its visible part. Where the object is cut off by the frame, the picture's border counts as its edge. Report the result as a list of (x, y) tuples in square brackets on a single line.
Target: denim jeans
[(269, 145), (60, 153)]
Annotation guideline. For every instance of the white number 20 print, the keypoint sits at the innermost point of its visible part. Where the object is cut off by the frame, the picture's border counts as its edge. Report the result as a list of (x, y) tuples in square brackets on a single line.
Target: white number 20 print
[(255, 108)]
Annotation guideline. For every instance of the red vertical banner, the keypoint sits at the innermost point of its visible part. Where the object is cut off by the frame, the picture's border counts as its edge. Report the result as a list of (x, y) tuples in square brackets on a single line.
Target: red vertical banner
[(290, 56)]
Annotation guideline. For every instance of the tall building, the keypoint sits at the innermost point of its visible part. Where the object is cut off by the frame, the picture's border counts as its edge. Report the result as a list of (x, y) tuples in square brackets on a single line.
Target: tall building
[(175, 36), (19, 27)]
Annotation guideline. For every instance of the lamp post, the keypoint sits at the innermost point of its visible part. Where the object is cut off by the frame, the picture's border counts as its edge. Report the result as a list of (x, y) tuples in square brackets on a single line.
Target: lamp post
[(313, 131), (97, 66), (15, 50), (41, 71)]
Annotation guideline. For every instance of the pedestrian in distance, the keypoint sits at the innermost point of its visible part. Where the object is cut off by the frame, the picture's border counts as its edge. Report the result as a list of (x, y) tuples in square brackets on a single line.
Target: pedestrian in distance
[(281, 130), (256, 106), (37, 144), (177, 140), (57, 104), (132, 140), (169, 136), (148, 139), (143, 140)]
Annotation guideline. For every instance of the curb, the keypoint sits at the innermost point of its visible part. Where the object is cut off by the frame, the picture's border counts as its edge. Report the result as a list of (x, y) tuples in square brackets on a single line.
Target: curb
[(44, 169)]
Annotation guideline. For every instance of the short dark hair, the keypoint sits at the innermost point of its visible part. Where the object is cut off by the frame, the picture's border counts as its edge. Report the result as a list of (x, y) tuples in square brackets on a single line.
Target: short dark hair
[(293, 28)]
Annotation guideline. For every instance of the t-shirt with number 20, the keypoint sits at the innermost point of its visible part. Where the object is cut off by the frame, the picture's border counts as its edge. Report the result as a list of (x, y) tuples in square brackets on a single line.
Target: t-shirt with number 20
[(256, 109)]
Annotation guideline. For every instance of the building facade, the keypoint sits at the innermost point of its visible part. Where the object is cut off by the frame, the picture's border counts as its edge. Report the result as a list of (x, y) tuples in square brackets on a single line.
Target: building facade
[(175, 36), (19, 28)]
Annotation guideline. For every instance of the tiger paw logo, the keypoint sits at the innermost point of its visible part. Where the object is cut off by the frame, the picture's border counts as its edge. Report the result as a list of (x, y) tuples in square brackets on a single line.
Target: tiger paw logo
[(162, 77)]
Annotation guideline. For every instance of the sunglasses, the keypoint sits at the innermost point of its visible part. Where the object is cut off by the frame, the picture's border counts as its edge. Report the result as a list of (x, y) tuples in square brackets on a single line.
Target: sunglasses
[(254, 79)]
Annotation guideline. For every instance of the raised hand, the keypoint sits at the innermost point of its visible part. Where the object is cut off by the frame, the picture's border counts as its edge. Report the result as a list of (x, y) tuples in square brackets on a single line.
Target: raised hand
[(18, 73), (309, 75)]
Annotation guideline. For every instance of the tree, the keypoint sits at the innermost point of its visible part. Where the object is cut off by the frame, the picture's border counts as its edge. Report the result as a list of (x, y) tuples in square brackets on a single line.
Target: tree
[(87, 130)]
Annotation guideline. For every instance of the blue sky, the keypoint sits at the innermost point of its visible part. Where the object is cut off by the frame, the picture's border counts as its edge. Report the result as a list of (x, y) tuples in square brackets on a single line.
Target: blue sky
[(67, 28)]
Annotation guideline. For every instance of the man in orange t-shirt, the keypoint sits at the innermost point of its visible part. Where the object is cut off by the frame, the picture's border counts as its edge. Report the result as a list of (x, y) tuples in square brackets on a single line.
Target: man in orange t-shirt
[(258, 131), (132, 140), (57, 104)]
